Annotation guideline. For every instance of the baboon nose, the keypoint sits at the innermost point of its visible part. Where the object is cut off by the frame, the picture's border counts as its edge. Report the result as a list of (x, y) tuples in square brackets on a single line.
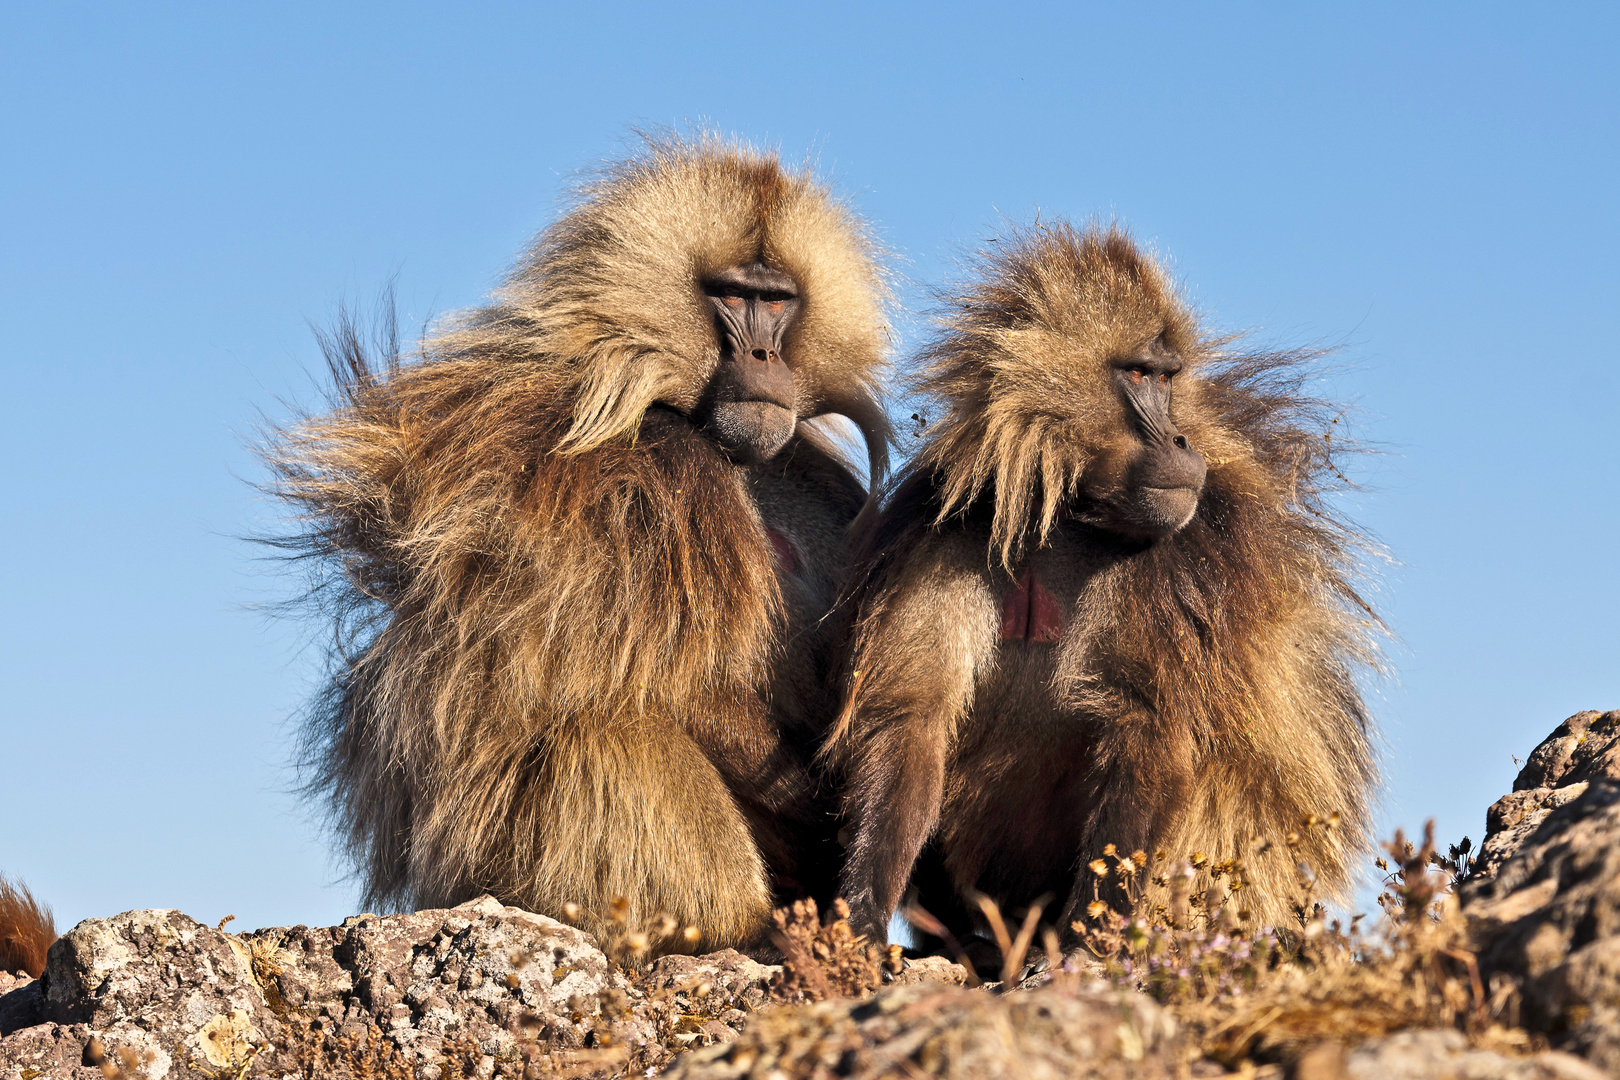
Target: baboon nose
[(759, 354), (1181, 441)]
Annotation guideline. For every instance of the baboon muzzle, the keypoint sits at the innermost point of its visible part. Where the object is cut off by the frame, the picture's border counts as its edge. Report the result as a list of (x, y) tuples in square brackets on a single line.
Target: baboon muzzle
[(757, 374), (752, 409), (1167, 480), (753, 414)]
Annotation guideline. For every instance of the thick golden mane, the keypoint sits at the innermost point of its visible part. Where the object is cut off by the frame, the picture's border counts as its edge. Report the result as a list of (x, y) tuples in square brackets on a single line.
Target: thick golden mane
[(607, 303), (526, 545), (1015, 369), (1241, 637)]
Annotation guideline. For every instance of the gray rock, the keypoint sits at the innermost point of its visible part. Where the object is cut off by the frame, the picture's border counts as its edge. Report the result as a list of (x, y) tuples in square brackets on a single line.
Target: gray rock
[(481, 987), (932, 969), (22, 1002), (1584, 748), (152, 969), (152, 991), (487, 992), (47, 1051), (939, 1030), (1444, 1055), (1545, 913)]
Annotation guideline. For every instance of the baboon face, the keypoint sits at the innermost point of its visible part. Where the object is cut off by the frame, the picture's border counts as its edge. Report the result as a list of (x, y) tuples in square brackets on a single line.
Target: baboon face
[(1146, 481), (750, 407)]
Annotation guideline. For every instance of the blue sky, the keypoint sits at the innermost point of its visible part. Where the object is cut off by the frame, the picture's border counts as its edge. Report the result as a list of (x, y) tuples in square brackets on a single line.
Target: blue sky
[(1429, 190)]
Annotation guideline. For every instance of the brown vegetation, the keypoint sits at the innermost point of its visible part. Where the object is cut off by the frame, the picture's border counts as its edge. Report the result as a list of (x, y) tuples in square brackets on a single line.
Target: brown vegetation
[(822, 961), (1248, 991)]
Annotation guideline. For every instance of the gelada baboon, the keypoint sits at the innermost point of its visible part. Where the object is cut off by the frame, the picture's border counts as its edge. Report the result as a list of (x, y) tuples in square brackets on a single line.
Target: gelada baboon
[(1105, 603), (27, 929), (586, 541)]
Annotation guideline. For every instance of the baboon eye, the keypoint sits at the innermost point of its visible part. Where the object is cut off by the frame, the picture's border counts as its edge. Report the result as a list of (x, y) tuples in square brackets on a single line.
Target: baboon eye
[(1136, 374), (776, 306), (732, 301), (1164, 377)]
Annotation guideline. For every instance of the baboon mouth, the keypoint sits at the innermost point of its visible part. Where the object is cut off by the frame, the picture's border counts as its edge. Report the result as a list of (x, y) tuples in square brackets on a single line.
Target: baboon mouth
[(1174, 495), (1166, 509), (752, 431), (766, 405)]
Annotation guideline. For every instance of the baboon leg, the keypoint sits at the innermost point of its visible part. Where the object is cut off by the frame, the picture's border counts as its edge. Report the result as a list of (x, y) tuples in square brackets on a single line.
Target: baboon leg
[(635, 810), (920, 661)]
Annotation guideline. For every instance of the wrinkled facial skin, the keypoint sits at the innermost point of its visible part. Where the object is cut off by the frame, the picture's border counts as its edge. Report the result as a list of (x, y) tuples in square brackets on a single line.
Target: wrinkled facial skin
[(749, 406), (1146, 485)]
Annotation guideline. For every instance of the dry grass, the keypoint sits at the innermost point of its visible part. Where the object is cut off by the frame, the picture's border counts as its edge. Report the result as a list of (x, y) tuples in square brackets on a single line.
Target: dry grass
[(630, 943), (1248, 993), (315, 1052), (824, 962), (120, 1063)]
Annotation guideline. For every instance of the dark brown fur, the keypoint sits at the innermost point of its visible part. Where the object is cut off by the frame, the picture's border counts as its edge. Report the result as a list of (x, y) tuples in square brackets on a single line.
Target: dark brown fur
[(1201, 694), (572, 667), (27, 929)]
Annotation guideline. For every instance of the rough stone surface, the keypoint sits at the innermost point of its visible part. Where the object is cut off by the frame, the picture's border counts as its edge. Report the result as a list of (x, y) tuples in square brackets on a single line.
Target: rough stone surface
[(486, 992), (932, 969), (162, 995), (22, 1002), (1546, 913), (1444, 1055), (1584, 748), (947, 1031)]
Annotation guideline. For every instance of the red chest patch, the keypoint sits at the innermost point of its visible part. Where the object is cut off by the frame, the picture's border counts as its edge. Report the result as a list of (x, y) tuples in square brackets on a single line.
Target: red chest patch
[(1029, 612), (787, 559)]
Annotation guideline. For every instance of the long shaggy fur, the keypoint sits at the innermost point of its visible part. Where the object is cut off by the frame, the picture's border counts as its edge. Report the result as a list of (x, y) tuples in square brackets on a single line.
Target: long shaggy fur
[(562, 627), (1209, 677), (1016, 374), (27, 929)]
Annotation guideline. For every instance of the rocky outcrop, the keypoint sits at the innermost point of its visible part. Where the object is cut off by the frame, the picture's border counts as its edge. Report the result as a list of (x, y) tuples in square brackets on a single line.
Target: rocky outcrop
[(479, 989), (1559, 771), (1085, 1031), (947, 1031), (1544, 903), (1437, 1055)]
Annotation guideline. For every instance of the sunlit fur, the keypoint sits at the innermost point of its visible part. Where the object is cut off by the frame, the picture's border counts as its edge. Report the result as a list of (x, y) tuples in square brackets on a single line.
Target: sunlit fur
[(1207, 680), (1020, 376), (27, 929), (569, 669)]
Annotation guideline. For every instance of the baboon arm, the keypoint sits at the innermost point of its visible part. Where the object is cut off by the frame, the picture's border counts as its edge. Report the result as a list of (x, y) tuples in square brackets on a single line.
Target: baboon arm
[(604, 807), (921, 652), (898, 795), (1139, 786)]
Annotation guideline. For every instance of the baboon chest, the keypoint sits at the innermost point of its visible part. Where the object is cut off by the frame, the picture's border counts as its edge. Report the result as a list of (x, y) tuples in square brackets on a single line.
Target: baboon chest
[(1016, 794), (1036, 599), (1029, 611), (1018, 788)]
